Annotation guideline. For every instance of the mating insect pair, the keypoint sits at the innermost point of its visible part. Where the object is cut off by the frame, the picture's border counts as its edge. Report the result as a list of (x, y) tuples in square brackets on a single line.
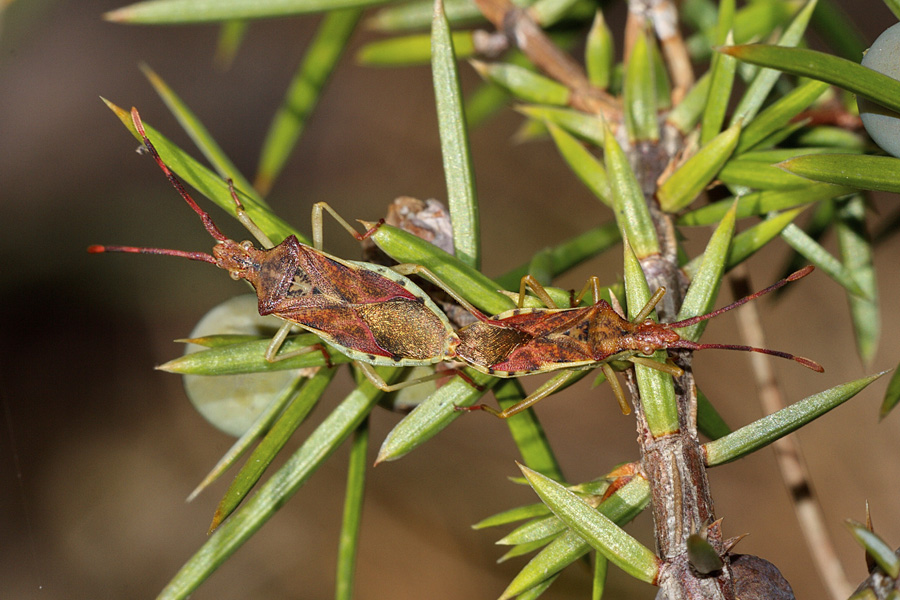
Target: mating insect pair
[(377, 316)]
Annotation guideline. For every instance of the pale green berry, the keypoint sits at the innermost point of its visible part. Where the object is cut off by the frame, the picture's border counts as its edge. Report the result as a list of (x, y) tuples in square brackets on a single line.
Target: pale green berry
[(233, 402), (882, 124)]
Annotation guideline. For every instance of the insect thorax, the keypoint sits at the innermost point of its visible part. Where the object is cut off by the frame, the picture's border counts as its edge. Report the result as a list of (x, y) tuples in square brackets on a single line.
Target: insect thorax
[(301, 284)]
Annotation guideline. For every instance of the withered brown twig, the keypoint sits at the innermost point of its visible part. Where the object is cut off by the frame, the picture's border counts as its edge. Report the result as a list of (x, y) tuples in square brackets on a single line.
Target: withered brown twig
[(789, 455)]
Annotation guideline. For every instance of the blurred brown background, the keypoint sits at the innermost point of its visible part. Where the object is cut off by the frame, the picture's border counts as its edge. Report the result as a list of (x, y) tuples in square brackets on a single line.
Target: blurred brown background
[(99, 451)]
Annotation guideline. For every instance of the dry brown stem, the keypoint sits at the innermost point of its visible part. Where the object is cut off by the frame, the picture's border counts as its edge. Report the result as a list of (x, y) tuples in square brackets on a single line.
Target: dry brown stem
[(522, 30), (788, 453)]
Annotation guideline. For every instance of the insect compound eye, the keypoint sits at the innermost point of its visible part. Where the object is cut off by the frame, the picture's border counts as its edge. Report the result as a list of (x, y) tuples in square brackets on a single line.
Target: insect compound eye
[(883, 124), (648, 350), (246, 244), (234, 275)]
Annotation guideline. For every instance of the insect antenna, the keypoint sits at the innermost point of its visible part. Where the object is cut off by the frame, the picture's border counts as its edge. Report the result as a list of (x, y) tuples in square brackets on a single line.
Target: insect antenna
[(201, 256), (689, 345), (214, 231), (694, 320)]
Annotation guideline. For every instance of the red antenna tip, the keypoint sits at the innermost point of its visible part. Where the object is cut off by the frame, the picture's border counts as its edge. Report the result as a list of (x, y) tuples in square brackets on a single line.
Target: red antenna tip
[(810, 364), (96, 249), (136, 119), (801, 273)]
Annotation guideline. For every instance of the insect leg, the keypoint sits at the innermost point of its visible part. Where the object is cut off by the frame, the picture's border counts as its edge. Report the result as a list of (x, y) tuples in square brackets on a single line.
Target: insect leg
[(592, 285), (651, 304), (411, 269), (545, 390), (616, 388), (246, 221), (317, 209), (665, 367), (539, 291), (380, 383), (278, 341)]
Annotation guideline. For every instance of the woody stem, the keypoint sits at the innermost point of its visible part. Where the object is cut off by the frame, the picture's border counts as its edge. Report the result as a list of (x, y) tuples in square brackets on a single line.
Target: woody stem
[(673, 463)]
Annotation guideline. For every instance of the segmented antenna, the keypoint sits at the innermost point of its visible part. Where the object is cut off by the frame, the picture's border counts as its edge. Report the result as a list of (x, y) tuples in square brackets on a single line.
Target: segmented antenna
[(204, 216), (694, 320), (689, 345), (201, 256), (208, 224)]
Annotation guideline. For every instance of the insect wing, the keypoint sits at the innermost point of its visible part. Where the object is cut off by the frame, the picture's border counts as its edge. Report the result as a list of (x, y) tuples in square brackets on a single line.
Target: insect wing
[(561, 340), (486, 344), (357, 282), (368, 312), (524, 341)]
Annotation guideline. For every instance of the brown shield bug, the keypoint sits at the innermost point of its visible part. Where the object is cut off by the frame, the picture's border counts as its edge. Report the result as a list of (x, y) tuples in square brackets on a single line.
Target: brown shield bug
[(371, 313), (525, 341)]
